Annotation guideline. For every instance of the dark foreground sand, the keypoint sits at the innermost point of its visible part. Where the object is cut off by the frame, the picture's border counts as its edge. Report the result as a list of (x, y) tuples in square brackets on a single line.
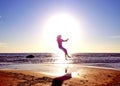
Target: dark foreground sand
[(84, 77)]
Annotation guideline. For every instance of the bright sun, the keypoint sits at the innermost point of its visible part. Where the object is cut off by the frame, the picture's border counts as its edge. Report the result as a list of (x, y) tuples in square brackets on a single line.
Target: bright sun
[(63, 24)]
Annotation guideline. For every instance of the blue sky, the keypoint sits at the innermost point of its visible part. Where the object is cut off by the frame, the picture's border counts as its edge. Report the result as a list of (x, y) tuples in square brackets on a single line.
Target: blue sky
[(21, 24)]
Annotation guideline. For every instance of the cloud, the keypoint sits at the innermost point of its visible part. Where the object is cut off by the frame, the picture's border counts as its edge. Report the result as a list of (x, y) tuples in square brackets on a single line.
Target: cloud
[(115, 37), (3, 44)]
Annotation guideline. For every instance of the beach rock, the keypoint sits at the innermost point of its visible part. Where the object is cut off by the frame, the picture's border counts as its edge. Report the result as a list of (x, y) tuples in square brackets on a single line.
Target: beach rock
[(58, 81), (30, 56)]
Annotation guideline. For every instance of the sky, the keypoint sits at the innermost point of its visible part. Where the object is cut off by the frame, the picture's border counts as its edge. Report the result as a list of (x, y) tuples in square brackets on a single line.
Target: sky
[(31, 25)]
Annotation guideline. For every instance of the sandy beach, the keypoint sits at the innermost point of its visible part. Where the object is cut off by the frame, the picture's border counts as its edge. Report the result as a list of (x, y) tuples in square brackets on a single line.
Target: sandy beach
[(86, 76)]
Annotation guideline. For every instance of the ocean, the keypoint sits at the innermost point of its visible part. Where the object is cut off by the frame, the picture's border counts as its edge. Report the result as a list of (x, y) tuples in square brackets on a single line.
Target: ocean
[(53, 63)]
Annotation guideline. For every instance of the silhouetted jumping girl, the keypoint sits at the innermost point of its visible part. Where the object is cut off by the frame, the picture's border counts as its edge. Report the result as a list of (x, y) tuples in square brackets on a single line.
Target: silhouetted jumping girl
[(59, 41)]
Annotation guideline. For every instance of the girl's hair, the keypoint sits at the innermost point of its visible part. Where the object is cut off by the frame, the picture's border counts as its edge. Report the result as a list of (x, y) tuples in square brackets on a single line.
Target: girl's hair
[(59, 36)]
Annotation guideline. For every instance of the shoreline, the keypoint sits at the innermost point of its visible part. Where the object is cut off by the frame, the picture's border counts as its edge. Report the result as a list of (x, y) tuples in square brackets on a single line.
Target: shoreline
[(51, 67)]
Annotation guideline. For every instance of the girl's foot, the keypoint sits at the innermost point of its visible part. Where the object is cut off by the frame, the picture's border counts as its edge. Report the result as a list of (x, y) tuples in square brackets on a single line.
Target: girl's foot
[(66, 58), (69, 56)]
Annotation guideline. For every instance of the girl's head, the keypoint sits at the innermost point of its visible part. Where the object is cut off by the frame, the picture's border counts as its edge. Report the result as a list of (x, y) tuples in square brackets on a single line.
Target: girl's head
[(59, 36)]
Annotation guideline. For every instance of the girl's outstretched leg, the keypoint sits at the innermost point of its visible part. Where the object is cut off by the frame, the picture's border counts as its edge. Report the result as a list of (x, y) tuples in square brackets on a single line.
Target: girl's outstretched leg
[(66, 53)]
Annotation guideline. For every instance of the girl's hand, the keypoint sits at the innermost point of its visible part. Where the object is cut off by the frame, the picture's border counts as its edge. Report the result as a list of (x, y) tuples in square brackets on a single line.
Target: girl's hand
[(67, 39)]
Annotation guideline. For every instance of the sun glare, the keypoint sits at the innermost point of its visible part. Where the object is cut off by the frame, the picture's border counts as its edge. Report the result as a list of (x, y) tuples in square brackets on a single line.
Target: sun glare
[(63, 24)]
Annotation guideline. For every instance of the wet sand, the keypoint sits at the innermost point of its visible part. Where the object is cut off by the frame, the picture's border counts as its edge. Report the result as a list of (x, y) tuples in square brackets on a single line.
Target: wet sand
[(85, 76)]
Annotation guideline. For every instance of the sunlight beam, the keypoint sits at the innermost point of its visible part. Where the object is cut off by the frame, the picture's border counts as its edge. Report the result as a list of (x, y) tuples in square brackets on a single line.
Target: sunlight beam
[(64, 24)]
